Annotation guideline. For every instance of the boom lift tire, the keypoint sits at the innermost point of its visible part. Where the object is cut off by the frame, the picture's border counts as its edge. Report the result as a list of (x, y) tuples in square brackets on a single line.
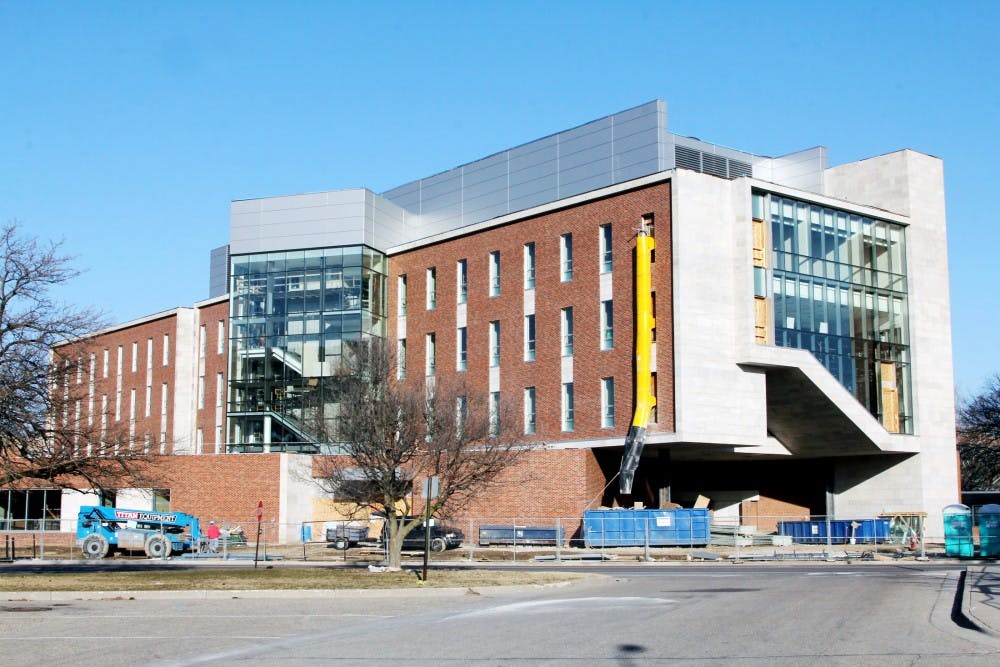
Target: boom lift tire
[(157, 546), (95, 547)]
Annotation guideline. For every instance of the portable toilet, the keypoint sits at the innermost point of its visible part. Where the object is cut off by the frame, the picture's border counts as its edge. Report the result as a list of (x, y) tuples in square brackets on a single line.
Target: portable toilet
[(988, 519), (958, 531)]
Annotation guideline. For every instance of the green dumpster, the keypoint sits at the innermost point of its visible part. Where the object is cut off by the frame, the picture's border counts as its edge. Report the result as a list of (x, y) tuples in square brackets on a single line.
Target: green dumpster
[(988, 518), (958, 531)]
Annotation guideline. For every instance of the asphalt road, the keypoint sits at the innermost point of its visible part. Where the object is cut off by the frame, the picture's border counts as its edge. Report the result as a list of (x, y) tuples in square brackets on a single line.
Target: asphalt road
[(827, 615)]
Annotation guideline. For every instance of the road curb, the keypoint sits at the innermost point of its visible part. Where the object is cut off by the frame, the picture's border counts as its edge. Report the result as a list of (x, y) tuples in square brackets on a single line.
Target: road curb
[(966, 608)]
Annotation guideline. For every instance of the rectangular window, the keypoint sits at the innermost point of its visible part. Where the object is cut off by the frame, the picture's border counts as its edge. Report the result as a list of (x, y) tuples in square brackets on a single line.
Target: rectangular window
[(607, 402), (461, 348), (218, 440), (567, 406), (220, 344), (149, 399), (494, 343), (495, 273), (494, 413), (201, 392), (104, 364), (529, 410), (462, 273), (431, 352), (121, 361), (401, 359), (605, 245), (219, 384), (431, 288), (401, 288), (135, 356), (566, 257), (166, 349), (202, 341), (149, 354), (200, 442), (529, 337), (567, 332), (529, 266), (607, 325)]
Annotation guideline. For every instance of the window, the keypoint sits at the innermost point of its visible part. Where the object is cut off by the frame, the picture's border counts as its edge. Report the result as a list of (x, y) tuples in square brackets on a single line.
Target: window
[(567, 406), (494, 413), (220, 344), (431, 288), (529, 410), (149, 355), (495, 273), (461, 415), (202, 341), (166, 350), (566, 257), (200, 443), (401, 359), (201, 392), (607, 325), (135, 356), (495, 343), (149, 399), (529, 337), (567, 332), (104, 364), (529, 266), (401, 288), (461, 348), (607, 402), (462, 273), (431, 352), (605, 245)]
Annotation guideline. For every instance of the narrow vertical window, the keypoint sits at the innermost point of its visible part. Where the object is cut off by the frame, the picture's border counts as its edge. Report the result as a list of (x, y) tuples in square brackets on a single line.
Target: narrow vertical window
[(461, 348), (567, 406), (220, 343), (431, 288), (566, 257), (529, 410), (529, 266), (200, 442), (149, 399), (495, 343), (202, 341), (401, 288), (149, 354), (431, 353), (605, 248), (607, 402), (607, 325), (201, 392), (494, 413), (135, 356), (495, 273), (462, 279), (104, 364), (401, 359), (166, 349), (529, 337), (567, 332)]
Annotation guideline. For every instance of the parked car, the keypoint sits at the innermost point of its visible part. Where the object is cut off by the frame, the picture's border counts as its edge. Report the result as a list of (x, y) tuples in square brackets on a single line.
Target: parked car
[(345, 535)]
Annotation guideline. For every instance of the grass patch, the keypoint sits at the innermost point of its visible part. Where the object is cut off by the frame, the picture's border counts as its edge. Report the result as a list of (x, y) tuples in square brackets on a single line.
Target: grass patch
[(298, 578)]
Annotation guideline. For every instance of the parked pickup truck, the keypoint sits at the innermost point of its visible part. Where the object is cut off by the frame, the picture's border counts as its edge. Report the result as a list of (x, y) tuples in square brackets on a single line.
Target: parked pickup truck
[(344, 535)]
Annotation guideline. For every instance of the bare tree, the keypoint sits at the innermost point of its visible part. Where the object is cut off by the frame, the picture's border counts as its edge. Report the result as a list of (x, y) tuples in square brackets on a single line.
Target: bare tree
[(979, 439), (391, 433), (44, 435)]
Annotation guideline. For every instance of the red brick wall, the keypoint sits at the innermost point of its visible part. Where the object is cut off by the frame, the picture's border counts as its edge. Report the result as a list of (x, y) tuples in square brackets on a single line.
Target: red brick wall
[(138, 335), (624, 212), (213, 364)]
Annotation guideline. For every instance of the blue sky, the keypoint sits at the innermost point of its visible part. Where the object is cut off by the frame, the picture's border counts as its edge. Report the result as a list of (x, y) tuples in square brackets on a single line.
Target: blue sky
[(126, 128)]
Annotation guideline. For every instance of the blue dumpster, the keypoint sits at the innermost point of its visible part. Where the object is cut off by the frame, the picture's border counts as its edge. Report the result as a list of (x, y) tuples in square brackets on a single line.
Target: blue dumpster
[(988, 518), (842, 531), (628, 528), (958, 531)]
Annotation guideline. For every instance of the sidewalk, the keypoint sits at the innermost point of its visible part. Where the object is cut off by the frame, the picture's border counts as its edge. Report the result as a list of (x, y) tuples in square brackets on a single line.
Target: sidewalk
[(981, 599)]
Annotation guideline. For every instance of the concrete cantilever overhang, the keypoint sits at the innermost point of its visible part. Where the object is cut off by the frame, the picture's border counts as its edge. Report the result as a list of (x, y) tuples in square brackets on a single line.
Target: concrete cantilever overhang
[(811, 414)]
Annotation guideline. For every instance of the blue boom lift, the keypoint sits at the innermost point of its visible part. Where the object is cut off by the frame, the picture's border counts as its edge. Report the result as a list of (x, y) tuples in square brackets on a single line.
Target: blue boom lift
[(100, 531)]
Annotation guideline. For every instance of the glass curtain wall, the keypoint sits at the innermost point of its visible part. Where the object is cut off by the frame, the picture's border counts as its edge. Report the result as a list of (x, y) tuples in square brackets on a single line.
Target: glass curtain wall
[(291, 313), (839, 289)]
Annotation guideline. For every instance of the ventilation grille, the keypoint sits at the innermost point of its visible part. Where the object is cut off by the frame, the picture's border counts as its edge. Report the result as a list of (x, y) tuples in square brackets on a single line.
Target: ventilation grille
[(707, 163)]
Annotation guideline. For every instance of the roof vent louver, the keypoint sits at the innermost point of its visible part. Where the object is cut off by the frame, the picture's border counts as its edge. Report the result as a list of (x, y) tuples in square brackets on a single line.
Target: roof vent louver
[(709, 163)]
